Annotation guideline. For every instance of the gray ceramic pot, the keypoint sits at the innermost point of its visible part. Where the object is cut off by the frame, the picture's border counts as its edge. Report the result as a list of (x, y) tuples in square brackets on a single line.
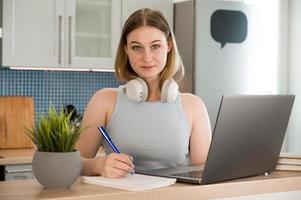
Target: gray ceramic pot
[(55, 169)]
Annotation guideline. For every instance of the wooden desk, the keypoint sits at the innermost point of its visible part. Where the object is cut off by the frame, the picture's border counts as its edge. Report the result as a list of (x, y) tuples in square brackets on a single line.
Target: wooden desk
[(275, 182)]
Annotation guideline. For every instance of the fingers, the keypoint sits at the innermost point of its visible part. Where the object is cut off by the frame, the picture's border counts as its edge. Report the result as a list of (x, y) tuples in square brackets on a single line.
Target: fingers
[(126, 160), (117, 165)]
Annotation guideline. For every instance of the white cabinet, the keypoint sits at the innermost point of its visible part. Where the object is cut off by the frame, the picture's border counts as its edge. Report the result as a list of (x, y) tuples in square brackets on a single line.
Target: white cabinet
[(166, 7), (30, 36), (61, 33), (16, 172)]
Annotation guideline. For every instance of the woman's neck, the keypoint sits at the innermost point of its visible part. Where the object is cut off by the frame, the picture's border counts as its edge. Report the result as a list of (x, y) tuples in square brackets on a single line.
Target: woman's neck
[(154, 93)]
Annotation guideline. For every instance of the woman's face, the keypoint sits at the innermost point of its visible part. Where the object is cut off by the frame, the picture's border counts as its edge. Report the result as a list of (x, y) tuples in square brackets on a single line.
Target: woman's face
[(147, 49)]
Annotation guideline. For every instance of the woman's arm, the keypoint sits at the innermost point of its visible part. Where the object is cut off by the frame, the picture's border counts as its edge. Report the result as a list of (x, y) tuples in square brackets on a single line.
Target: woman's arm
[(95, 115), (98, 113), (200, 137)]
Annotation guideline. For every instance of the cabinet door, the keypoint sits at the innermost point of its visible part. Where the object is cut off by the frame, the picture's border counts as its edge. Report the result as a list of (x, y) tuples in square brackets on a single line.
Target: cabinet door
[(61, 33), (30, 33), (18, 172), (93, 29)]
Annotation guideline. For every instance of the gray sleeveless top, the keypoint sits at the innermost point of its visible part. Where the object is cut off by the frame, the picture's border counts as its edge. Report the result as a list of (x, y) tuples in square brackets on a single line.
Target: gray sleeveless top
[(156, 134)]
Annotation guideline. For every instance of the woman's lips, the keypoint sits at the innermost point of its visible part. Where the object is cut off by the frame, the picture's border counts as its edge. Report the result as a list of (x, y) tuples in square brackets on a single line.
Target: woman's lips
[(148, 67)]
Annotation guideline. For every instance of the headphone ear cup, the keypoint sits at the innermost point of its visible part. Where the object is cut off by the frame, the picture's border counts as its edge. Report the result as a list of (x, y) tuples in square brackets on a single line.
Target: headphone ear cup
[(136, 90), (169, 91)]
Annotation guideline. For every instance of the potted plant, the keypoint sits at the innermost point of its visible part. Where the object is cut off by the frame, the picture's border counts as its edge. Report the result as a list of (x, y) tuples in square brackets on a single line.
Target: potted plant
[(56, 163)]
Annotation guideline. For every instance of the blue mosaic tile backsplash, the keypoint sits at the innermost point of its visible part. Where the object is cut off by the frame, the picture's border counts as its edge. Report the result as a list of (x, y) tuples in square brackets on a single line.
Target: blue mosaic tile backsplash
[(59, 88)]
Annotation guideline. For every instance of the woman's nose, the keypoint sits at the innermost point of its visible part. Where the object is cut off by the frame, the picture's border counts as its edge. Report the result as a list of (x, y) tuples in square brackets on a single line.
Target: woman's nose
[(147, 55)]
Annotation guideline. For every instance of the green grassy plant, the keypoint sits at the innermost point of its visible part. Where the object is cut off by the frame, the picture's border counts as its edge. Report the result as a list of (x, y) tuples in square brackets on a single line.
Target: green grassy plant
[(55, 132)]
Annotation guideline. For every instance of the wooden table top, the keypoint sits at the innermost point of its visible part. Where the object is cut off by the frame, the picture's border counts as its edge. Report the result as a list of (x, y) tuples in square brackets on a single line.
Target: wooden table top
[(275, 182)]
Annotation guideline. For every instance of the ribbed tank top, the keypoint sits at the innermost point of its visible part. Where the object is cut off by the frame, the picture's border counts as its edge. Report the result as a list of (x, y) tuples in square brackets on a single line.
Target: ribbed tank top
[(156, 134)]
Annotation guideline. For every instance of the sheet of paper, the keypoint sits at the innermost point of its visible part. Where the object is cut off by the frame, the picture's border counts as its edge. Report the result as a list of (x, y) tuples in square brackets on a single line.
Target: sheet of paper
[(130, 182)]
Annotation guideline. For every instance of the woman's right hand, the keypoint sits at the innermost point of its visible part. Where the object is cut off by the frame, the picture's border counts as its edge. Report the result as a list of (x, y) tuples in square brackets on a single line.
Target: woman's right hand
[(114, 165)]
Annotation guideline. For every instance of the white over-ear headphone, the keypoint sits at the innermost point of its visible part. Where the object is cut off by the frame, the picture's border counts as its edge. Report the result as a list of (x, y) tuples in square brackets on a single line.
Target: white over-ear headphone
[(137, 90)]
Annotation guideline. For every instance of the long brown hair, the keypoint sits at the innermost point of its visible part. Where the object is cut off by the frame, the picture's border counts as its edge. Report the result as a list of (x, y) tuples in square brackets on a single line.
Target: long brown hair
[(148, 17)]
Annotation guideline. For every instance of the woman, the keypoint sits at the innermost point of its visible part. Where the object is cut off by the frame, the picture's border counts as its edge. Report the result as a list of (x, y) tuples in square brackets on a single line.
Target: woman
[(152, 124)]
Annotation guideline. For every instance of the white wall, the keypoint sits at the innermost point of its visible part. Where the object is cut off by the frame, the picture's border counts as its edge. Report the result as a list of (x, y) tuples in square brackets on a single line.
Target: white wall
[(294, 78)]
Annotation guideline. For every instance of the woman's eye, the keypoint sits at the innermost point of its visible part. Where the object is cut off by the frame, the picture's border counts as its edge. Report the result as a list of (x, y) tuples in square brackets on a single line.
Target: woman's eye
[(155, 46), (136, 48)]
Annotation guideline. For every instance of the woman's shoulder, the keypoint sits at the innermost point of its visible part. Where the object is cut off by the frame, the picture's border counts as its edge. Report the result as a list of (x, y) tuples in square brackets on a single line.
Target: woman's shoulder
[(106, 92), (191, 99), (105, 95), (192, 103)]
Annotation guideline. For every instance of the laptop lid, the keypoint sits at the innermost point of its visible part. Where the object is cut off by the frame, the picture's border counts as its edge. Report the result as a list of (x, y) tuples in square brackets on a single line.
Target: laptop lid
[(247, 140), (247, 137)]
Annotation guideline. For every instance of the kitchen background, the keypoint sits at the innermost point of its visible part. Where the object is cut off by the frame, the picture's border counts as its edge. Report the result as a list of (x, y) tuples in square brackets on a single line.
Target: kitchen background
[(55, 73), (269, 55), (59, 88)]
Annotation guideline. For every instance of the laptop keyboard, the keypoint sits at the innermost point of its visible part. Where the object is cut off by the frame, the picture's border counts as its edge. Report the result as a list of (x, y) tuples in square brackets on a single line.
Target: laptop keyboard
[(191, 174)]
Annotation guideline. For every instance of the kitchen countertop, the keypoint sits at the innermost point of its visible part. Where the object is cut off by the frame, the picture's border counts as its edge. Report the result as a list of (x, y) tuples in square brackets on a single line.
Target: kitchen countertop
[(22, 156), (16, 156)]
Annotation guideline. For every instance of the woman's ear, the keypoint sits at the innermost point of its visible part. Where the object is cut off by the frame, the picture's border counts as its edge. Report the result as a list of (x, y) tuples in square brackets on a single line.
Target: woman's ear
[(169, 43), (125, 49)]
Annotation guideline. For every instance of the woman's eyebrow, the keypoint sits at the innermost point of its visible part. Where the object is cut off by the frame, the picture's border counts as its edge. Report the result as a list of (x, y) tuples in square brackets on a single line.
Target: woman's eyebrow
[(136, 42), (155, 41)]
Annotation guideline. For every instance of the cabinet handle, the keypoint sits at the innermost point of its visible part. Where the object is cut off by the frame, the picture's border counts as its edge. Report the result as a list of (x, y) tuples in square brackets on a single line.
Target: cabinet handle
[(60, 40), (19, 177), (69, 47), (12, 171)]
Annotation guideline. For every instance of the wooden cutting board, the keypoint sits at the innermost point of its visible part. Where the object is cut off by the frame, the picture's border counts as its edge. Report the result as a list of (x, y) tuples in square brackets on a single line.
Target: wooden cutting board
[(15, 111)]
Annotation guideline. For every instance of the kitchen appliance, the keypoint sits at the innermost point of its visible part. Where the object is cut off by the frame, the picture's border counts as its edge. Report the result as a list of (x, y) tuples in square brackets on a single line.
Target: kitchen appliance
[(184, 33), (15, 112)]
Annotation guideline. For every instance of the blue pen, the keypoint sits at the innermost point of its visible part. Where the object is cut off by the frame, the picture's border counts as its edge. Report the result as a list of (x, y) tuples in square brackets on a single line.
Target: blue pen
[(105, 134)]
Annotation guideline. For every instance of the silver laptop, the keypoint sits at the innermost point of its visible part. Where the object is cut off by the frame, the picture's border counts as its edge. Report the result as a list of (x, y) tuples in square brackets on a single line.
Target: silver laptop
[(247, 139)]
